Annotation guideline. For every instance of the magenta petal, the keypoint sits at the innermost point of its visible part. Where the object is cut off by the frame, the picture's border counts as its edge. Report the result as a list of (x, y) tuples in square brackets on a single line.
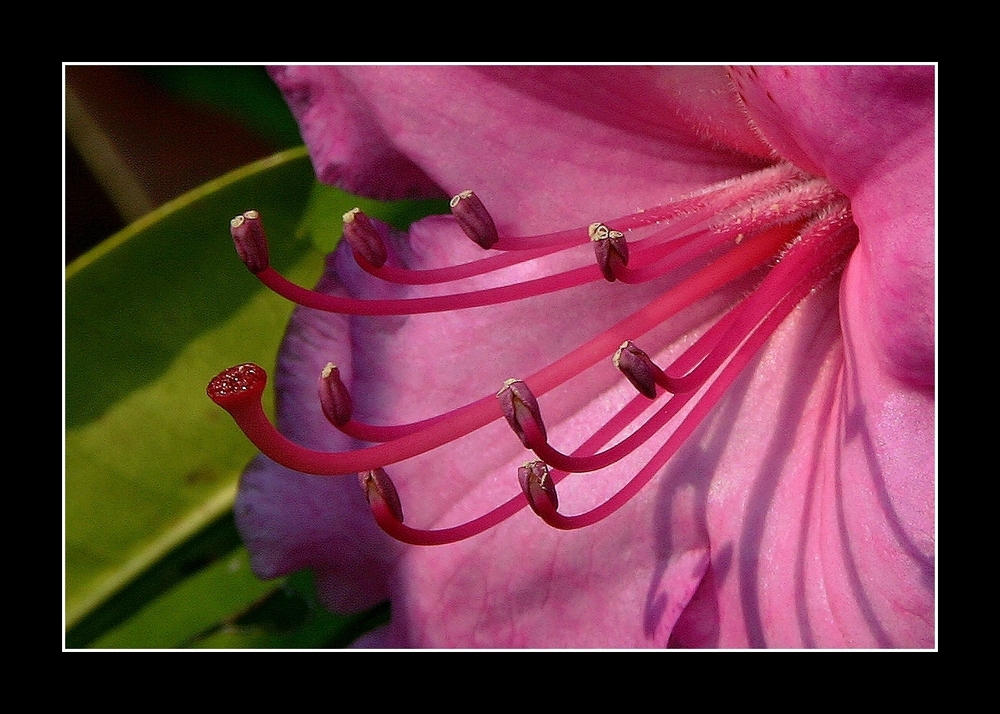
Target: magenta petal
[(549, 145), (871, 131), (882, 158), (347, 146), (291, 521), (800, 514)]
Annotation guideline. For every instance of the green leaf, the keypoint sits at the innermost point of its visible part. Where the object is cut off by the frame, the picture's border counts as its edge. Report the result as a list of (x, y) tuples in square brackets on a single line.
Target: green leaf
[(151, 315), (224, 606), (151, 465)]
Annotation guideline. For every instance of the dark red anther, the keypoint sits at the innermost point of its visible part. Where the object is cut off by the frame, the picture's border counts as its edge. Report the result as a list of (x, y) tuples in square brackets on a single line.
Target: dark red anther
[(364, 237), (334, 397), (521, 409), (637, 367), (474, 219), (381, 492), (538, 486), (610, 248), (237, 385), (247, 231)]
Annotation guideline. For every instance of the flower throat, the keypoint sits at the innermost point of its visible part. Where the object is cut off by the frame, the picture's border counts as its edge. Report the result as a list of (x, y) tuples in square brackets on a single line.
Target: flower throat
[(796, 225)]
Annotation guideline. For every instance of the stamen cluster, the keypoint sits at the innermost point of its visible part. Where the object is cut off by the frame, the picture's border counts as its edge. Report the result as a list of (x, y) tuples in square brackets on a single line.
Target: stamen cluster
[(797, 225)]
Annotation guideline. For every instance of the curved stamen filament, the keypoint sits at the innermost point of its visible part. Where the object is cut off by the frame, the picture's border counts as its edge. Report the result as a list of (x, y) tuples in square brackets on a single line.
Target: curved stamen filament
[(410, 306), (250, 416), (655, 253), (798, 264), (442, 536), (370, 254), (742, 225), (803, 272), (683, 214), (593, 462), (692, 209), (671, 248), (828, 268), (432, 276), (414, 306), (442, 303), (395, 528)]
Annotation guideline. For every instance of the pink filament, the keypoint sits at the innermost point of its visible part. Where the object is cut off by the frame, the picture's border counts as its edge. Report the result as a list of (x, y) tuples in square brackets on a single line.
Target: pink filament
[(416, 536), (801, 268), (432, 276), (798, 263), (826, 268), (760, 213), (251, 418), (685, 212), (691, 219)]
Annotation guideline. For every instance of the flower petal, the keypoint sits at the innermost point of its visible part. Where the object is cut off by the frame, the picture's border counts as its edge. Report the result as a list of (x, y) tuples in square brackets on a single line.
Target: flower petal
[(870, 130), (800, 514), (861, 499), (550, 146), (347, 145), (290, 520)]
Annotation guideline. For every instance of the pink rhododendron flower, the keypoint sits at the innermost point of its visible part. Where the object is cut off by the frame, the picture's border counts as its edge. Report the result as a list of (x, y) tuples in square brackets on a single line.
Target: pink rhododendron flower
[(781, 494)]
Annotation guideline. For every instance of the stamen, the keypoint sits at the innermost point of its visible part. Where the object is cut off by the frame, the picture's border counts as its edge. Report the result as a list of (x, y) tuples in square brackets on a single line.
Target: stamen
[(610, 248), (250, 416), (364, 238), (695, 211), (395, 527), (663, 252), (537, 486), (433, 276), (251, 244), (334, 398), (415, 306), (474, 219), (247, 231), (612, 251), (336, 403), (535, 440), (381, 492), (637, 367), (734, 227), (521, 409), (842, 240)]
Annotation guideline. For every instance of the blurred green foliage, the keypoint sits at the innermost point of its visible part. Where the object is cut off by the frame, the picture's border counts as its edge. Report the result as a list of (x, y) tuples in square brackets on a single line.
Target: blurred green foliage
[(152, 557)]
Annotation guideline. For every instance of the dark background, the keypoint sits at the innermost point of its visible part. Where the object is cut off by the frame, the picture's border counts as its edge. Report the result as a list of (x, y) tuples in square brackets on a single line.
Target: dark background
[(139, 136)]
